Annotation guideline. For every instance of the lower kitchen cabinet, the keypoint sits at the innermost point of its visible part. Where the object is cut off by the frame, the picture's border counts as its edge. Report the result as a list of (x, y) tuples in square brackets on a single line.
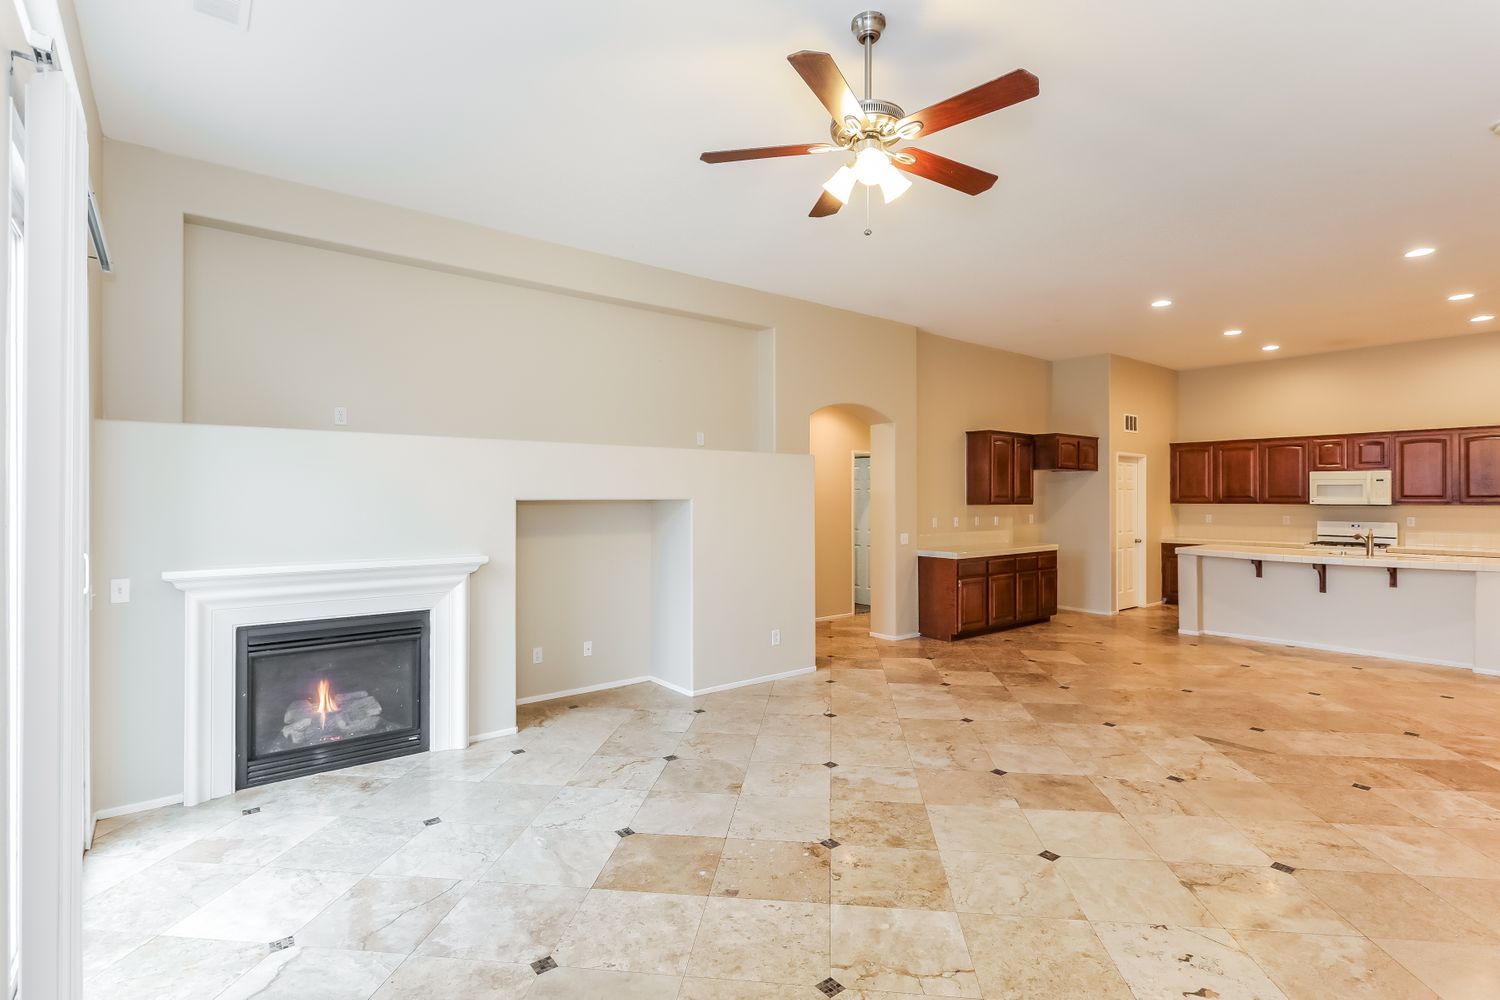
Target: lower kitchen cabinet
[(1169, 571), (958, 598)]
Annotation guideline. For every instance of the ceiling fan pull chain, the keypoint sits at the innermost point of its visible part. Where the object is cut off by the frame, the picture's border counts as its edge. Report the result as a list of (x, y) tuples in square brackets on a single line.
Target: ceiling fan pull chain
[(868, 230)]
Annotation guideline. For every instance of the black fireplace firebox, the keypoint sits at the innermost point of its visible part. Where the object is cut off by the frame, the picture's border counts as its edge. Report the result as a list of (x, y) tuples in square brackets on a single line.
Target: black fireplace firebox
[(321, 695)]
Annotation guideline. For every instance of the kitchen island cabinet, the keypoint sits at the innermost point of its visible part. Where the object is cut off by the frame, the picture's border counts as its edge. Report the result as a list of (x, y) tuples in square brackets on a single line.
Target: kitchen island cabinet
[(966, 592)]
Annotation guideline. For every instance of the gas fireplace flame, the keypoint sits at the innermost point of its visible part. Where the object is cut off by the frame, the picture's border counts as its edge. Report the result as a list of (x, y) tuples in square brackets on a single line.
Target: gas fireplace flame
[(325, 703)]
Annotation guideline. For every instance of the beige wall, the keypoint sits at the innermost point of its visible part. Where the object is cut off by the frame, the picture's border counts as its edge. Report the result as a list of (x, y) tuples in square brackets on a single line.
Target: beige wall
[(834, 434), (964, 387), (1149, 392), (816, 356), (1076, 506), (1434, 383), (583, 574), (410, 349)]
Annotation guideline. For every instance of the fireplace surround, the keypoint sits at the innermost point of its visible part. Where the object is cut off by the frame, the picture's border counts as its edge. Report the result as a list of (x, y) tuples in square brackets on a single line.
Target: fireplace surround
[(217, 602), (321, 695)]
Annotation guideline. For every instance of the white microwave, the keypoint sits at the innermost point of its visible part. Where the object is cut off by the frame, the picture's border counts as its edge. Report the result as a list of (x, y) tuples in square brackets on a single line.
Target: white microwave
[(1369, 488)]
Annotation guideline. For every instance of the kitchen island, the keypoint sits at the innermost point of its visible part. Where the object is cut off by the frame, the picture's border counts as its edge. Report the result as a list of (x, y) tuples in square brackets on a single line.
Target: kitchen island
[(1422, 607), (969, 590)]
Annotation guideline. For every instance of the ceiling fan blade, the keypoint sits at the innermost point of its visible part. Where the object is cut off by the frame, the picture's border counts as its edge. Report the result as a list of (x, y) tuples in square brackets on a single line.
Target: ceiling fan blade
[(827, 205), (764, 152), (821, 73), (1001, 92), (949, 173)]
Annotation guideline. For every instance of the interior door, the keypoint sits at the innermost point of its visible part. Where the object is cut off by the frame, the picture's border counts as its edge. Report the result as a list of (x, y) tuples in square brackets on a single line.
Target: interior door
[(862, 529), (1129, 541)]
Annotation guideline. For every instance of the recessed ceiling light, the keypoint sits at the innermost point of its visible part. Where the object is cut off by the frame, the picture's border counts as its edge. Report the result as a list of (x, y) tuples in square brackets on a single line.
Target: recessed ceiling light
[(1161, 303), (1271, 347), (1421, 251), (1233, 333), (1482, 319), (1461, 297)]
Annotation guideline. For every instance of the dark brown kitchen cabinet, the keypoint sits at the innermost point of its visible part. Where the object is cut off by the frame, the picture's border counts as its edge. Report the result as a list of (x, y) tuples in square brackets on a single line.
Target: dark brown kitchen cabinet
[(1370, 451), (999, 468), (1479, 465), (1236, 472), (1328, 454), (1192, 473), (1067, 452), (957, 598), (1283, 471), (1424, 469), (1169, 571)]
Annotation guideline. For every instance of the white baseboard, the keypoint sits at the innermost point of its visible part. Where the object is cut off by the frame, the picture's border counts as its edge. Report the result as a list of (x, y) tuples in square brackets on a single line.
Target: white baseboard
[(896, 638), (834, 618), (674, 688), (756, 680), (481, 737), (137, 807), (1087, 611), (607, 685), (1328, 648)]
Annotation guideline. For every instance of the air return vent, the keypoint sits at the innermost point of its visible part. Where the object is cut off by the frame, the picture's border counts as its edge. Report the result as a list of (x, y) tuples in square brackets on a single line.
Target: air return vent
[(235, 12), (1132, 423)]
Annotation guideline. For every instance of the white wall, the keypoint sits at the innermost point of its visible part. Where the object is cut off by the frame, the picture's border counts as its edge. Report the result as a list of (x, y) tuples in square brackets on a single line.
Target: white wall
[(277, 333), (583, 574), (191, 496)]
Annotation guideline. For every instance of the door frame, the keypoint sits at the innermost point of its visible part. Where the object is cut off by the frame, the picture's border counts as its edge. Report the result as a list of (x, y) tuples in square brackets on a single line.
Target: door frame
[(854, 562), (1143, 546)]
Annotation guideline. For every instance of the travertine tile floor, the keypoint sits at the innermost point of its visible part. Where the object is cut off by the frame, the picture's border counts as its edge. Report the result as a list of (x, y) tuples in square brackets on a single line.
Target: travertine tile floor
[(1085, 809)]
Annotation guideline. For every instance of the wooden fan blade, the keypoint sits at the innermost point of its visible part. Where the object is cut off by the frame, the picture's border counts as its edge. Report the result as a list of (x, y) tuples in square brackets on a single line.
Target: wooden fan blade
[(1001, 92), (949, 173), (762, 152), (821, 73), (827, 205)]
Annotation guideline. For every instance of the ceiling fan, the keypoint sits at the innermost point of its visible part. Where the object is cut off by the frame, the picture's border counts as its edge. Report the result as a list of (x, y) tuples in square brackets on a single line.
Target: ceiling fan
[(873, 129)]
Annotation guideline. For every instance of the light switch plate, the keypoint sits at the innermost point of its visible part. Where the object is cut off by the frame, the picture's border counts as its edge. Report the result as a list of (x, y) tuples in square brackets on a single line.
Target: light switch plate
[(536, 654), (776, 637), (905, 538), (119, 591), (1411, 522), (341, 415), (588, 647), (700, 439)]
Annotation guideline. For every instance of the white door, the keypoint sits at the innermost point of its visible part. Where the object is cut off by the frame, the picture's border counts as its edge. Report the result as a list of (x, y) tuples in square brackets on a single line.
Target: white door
[(1130, 541), (862, 529)]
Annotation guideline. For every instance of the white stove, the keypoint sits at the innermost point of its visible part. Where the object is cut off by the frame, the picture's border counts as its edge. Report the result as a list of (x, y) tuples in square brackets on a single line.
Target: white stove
[(1350, 534)]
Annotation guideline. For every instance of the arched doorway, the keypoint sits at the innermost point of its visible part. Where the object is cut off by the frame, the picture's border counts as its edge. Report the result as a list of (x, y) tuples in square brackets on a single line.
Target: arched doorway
[(854, 473)]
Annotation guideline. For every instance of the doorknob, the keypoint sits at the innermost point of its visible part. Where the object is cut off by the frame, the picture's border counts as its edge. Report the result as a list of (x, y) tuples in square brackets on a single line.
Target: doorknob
[(1138, 541)]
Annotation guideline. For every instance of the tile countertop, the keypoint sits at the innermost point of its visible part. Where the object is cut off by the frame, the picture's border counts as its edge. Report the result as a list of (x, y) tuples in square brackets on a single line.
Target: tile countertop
[(982, 551), (1381, 560)]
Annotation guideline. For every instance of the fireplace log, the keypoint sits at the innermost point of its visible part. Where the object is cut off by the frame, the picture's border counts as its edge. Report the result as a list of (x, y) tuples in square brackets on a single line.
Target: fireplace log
[(358, 713)]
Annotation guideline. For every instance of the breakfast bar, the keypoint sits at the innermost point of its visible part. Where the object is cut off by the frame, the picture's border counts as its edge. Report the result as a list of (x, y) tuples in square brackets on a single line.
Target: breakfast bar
[(1423, 607)]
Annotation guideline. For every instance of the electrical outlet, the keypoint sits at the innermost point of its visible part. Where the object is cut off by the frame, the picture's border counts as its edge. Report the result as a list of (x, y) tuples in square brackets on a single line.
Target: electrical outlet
[(119, 591), (1286, 519), (588, 647), (905, 538), (976, 520), (1031, 519), (776, 637), (1411, 522), (1208, 519), (536, 654), (997, 520), (934, 522), (340, 415), (700, 439), (955, 521)]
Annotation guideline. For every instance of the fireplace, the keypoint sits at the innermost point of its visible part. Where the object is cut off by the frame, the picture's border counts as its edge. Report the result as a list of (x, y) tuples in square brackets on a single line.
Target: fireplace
[(320, 695)]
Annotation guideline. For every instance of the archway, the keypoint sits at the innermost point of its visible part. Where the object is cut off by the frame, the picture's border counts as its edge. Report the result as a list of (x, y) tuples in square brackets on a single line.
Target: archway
[(838, 435)]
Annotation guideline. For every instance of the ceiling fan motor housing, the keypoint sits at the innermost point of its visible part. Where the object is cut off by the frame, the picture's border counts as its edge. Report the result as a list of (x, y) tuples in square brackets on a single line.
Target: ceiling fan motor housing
[(867, 25)]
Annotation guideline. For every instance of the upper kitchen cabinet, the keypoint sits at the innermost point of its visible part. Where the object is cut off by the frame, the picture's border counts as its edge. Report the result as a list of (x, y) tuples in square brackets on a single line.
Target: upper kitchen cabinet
[(1067, 452), (1192, 473), (1370, 451), (1328, 454), (1283, 471), (1424, 468), (1479, 465), (1236, 472), (999, 468)]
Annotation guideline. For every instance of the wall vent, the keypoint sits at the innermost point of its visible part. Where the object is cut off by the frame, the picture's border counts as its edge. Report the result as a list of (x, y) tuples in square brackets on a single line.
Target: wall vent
[(235, 12), (1132, 423)]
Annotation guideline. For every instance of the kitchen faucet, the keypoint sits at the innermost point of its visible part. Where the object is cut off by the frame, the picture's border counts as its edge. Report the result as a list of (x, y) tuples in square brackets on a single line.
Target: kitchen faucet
[(1368, 537)]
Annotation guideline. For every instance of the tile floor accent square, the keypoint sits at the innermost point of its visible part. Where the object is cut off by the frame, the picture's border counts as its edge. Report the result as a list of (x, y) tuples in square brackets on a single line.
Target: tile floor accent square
[(830, 843), (542, 965), (829, 987), (282, 944), (1049, 856), (1288, 869), (434, 821)]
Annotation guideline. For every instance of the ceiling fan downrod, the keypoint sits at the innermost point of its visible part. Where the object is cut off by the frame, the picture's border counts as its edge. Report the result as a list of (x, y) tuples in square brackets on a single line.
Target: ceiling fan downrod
[(867, 27)]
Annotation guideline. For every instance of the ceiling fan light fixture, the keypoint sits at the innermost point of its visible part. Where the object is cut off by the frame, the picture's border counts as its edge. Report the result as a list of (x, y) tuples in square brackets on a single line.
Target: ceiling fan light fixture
[(894, 186), (872, 165), (841, 184)]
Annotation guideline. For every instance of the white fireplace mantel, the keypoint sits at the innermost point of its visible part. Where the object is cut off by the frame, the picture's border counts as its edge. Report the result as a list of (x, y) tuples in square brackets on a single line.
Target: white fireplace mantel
[(219, 601)]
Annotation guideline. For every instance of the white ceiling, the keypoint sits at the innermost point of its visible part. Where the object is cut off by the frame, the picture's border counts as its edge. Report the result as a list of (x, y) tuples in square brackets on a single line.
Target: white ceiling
[(1262, 163)]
